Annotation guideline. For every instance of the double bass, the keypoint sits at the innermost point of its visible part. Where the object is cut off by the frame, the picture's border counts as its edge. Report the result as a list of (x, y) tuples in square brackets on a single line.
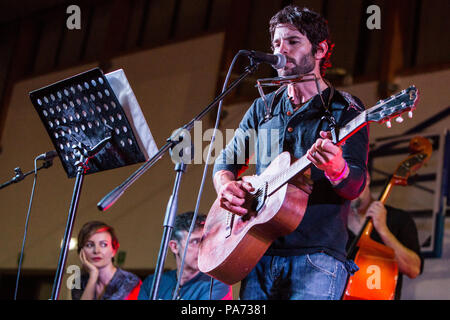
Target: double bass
[(378, 269)]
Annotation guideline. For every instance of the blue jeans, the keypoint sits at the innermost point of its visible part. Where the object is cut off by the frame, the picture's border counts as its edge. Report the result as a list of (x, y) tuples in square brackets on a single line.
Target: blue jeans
[(316, 276)]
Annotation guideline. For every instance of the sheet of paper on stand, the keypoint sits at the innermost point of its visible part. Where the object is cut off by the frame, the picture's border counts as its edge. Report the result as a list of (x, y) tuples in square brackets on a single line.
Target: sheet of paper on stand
[(122, 89)]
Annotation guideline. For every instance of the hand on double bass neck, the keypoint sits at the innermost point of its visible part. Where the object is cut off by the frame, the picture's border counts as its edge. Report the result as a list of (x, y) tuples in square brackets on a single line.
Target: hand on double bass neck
[(377, 211)]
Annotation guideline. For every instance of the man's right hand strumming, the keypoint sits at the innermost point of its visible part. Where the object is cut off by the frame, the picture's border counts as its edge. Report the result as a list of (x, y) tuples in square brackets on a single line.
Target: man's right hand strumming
[(231, 193)]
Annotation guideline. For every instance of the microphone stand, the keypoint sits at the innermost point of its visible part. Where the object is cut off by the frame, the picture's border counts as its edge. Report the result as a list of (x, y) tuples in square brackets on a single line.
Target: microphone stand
[(169, 221), (20, 176), (82, 168), (115, 194)]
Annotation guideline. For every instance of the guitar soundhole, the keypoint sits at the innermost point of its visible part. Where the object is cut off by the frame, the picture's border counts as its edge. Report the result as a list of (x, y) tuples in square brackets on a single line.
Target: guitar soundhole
[(249, 216), (258, 202), (250, 205), (255, 202)]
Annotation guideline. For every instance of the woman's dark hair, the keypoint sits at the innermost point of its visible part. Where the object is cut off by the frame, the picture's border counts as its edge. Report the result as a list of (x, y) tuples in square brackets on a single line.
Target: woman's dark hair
[(309, 23), (92, 227)]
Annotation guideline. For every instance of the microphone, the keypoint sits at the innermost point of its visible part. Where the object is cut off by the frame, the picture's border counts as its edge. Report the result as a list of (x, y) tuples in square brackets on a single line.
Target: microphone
[(277, 61), (47, 156)]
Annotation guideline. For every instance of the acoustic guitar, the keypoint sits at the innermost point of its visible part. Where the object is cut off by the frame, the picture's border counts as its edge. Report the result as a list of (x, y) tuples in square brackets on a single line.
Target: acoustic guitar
[(232, 245)]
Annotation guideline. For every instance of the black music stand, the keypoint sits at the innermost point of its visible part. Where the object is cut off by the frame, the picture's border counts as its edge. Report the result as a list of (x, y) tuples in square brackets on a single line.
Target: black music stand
[(91, 133)]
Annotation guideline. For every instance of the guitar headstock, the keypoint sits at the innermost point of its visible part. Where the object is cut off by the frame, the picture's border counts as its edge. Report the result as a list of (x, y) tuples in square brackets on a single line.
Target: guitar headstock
[(394, 106)]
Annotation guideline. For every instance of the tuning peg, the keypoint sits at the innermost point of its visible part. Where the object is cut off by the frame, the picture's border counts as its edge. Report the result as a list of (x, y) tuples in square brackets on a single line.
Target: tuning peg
[(399, 119), (388, 124), (410, 114)]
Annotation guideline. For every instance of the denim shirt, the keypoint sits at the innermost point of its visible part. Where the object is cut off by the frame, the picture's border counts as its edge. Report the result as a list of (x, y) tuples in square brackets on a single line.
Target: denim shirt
[(195, 289), (323, 228)]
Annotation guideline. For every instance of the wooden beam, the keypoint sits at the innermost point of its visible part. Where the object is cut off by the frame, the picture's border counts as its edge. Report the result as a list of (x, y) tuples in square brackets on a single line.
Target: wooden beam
[(20, 63), (236, 32), (393, 43), (118, 27)]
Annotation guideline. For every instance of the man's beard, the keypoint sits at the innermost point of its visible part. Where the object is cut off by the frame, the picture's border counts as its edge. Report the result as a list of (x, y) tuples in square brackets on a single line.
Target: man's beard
[(306, 65)]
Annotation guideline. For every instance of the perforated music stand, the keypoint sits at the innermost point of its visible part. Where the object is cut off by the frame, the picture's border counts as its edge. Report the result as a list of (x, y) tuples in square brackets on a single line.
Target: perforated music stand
[(90, 132)]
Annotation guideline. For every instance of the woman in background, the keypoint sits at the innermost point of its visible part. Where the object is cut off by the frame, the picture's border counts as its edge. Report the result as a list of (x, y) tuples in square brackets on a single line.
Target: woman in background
[(101, 280)]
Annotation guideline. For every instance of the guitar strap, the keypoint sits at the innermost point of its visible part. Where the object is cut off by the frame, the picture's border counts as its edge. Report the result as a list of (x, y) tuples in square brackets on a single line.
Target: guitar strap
[(332, 90), (349, 264), (328, 115)]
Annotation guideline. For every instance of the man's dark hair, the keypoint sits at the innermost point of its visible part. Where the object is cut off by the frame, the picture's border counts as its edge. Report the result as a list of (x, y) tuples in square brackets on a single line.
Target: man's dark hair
[(183, 223), (309, 23)]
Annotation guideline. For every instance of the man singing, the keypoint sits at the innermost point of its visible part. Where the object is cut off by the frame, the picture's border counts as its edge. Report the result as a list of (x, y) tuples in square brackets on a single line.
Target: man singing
[(309, 263)]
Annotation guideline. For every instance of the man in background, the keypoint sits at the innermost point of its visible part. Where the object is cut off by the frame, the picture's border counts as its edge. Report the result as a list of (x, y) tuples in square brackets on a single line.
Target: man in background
[(194, 285)]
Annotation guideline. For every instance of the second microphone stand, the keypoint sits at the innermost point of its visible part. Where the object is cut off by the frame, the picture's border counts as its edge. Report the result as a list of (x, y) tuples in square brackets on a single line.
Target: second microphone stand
[(169, 221), (20, 175)]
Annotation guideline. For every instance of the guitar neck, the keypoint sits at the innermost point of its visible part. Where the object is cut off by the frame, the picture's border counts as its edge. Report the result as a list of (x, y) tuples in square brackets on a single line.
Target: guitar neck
[(284, 176), (303, 163)]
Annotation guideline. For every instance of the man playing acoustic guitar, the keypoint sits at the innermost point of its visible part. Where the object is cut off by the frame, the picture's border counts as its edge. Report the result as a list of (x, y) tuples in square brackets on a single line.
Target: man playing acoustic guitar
[(309, 263)]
